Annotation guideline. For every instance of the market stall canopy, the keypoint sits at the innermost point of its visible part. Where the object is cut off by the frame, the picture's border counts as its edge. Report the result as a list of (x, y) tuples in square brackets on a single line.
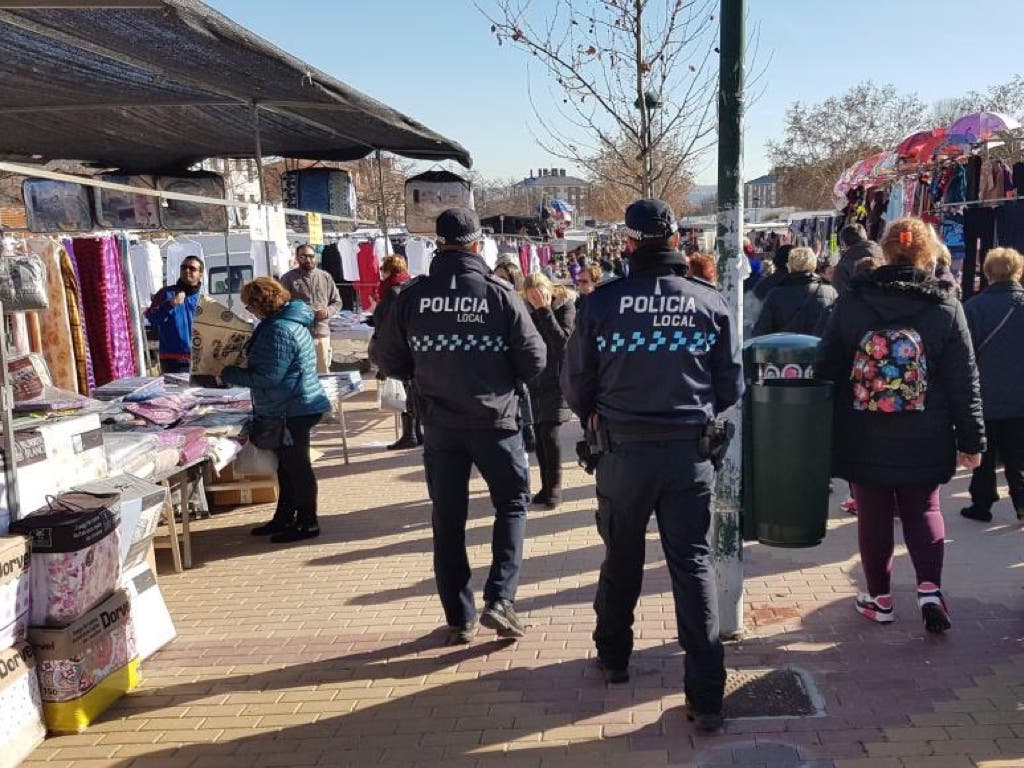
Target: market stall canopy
[(167, 83), (981, 126)]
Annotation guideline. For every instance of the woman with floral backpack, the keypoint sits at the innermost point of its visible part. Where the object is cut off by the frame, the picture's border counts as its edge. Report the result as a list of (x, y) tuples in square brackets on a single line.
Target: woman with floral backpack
[(908, 411)]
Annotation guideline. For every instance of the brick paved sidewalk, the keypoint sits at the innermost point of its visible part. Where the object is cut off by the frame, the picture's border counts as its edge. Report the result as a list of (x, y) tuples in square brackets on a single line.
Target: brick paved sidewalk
[(327, 653)]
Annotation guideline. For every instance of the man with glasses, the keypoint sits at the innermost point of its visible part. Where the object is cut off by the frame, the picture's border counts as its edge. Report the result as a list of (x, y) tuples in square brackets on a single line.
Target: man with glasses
[(316, 287), (171, 312)]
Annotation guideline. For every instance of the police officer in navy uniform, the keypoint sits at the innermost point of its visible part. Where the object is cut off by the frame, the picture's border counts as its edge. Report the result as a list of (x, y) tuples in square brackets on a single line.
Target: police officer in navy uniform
[(652, 361), (466, 338)]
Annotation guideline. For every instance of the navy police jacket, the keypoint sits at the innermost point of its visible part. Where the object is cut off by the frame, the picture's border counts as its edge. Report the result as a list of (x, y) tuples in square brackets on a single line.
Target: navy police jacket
[(465, 338), (653, 348)]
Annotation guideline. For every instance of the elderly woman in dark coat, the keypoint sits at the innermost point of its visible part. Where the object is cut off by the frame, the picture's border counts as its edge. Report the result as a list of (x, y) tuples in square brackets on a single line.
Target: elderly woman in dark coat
[(907, 412), (996, 319), (554, 314), (800, 302)]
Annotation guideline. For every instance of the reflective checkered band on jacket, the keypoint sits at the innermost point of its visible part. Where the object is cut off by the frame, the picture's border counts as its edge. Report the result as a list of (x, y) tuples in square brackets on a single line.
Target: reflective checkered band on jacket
[(458, 342), (694, 342)]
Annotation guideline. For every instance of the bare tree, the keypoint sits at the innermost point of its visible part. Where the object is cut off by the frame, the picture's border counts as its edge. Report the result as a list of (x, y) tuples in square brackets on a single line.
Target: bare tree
[(822, 140), (633, 80), (614, 186)]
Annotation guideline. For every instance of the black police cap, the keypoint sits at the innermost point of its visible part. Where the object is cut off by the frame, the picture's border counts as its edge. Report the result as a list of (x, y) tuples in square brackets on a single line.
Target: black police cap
[(458, 226), (650, 220)]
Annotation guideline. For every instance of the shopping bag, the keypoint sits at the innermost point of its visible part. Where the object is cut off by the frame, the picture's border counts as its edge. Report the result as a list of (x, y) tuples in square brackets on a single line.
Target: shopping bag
[(392, 395), (254, 462)]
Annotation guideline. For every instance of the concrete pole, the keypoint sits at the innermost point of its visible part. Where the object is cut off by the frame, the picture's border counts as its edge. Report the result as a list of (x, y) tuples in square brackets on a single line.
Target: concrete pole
[(726, 531)]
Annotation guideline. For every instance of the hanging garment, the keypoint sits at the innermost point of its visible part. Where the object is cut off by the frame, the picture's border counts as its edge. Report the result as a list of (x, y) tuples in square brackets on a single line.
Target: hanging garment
[(132, 304), (524, 258), (534, 261), (105, 308), (1007, 181), (1018, 178), (894, 209), (979, 237), (988, 182), (489, 253), (369, 274), (57, 347), (177, 252), (419, 252), (76, 319), (544, 254), (330, 262), (349, 261), (382, 248), (148, 269), (956, 190), (973, 177), (1010, 225)]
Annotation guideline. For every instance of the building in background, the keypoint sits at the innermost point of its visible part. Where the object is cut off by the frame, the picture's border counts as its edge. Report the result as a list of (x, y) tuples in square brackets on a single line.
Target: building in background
[(762, 192), (551, 183)]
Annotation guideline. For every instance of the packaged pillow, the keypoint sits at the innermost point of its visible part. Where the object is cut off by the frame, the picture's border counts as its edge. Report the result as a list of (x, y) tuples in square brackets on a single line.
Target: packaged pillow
[(21, 710), (75, 555), (14, 589), (87, 666)]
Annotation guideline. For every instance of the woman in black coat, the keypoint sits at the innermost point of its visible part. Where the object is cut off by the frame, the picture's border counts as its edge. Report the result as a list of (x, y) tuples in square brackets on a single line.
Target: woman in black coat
[(907, 411), (554, 314), (800, 302)]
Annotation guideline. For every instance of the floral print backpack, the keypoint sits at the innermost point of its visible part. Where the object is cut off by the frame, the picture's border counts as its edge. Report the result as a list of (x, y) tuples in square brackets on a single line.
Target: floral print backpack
[(890, 371)]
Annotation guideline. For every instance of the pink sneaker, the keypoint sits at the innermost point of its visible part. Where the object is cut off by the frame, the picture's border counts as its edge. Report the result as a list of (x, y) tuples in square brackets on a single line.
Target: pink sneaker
[(878, 608), (850, 506)]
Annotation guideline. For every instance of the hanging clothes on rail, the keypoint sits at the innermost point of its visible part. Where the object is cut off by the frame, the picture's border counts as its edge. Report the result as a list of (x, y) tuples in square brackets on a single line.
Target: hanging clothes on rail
[(349, 250), (58, 349), (104, 303), (369, 274), (489, 253), (330, 262), (76, 319), (148, 269), (419, 252), (979, 237), (19, 334)]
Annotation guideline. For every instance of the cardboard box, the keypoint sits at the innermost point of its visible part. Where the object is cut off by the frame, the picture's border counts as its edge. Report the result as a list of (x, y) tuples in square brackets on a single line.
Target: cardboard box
[(15, 554), (244, 492), (151, 621), (21, 723), (140, 507), (53, 457), (87, 666)]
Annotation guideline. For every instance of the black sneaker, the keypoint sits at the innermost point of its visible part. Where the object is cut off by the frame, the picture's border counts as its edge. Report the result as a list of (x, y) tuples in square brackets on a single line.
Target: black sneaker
[(1020, 512), (501, 617), (404, 443), (295, 533), (613, 675), (460, 635), (977, 513), (548, 499)]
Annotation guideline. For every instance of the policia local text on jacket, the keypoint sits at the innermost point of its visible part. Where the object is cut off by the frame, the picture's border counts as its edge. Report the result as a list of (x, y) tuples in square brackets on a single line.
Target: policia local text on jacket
[(465, 339), (653, 355)]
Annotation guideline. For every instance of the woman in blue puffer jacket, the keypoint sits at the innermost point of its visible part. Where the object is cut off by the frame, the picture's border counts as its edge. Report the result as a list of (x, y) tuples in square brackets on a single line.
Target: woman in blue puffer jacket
[(283, 379)]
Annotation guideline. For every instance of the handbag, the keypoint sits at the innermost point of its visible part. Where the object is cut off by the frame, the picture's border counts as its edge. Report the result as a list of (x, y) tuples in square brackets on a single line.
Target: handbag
[(997, 329), (268, 433), (22, 281)]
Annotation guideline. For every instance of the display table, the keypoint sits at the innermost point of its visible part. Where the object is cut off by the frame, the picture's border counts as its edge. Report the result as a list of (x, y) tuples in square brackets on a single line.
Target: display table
[(185, 483)]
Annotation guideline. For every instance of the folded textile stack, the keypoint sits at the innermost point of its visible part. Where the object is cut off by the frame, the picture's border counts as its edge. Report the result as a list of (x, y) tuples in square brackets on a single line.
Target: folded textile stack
[(191, 443), (164, 411), (131, 453), (341, 383), (132, 389)]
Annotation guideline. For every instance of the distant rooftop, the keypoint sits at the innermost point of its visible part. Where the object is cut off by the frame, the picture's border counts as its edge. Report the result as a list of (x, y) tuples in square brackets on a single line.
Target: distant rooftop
[(552, 177), (763, 181)]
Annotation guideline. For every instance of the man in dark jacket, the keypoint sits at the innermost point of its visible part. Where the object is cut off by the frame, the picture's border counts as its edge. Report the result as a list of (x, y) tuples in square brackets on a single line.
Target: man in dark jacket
[(651, 363), (853, 239), (780, 260), (172, 311), (465, 338), (996, 319), (800, 303)]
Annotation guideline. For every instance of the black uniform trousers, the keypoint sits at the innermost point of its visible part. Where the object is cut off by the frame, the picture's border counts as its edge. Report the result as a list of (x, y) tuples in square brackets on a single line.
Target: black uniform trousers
[(668, 478), (1006, 444), (448, 457)]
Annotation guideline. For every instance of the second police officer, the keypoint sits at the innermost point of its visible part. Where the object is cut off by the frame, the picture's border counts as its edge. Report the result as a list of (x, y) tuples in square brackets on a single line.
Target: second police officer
[(652, 361), (466, 339)]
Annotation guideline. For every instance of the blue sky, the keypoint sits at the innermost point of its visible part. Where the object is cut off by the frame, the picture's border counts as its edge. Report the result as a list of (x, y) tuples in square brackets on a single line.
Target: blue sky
[(436, 61)]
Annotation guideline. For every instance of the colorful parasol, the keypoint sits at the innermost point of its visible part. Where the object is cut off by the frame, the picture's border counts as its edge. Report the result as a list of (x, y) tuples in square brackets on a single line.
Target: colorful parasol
[(918, 147), (981, 126)]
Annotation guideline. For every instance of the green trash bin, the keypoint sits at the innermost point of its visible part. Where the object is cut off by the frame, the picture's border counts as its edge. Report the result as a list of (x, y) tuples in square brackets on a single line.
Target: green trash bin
[(783, 450), (791, 447)]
